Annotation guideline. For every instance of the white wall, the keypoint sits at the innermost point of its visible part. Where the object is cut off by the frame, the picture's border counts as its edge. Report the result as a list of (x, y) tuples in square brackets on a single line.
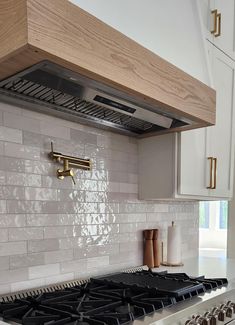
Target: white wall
[(231, 227), (169, 28)]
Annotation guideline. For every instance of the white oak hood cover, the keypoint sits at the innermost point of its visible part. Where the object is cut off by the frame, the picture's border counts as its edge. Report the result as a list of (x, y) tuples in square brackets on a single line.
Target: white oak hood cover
[(59, 59)]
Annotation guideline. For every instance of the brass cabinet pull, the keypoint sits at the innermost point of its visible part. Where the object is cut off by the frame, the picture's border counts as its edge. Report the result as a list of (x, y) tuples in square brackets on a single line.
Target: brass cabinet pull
[(215, 13), (217, 23), (211, 172), (215, 173)]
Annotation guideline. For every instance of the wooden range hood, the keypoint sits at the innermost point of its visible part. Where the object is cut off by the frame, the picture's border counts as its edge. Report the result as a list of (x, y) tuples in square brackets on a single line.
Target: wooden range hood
[(58, 31)]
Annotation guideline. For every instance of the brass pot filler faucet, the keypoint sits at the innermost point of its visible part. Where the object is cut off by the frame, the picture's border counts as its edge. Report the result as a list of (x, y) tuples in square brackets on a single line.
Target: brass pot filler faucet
[(68, 161)]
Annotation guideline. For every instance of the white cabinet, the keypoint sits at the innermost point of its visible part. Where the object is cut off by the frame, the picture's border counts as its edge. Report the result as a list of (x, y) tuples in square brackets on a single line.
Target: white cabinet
[(217, 18), (181, 168), (220, 144)]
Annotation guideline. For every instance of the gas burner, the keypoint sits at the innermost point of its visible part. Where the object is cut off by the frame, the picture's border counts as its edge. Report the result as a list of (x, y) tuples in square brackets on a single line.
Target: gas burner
[(111, 300)]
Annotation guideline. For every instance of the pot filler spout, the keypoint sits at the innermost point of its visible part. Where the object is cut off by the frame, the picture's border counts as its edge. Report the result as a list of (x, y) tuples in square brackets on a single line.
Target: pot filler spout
[(55, 90)]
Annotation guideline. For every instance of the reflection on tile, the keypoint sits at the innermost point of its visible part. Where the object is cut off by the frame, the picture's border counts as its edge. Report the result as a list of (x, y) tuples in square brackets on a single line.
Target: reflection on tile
[(22, 179), (14, 206), (14, 220), (12, 192), (107, 229), (60, 232), (71, 195), (39, 167), (20, 151), (41, 194), (87, 230), (95, 197), (108, 249), (68, 243), (52, 230), (87, 251), (13, 165)]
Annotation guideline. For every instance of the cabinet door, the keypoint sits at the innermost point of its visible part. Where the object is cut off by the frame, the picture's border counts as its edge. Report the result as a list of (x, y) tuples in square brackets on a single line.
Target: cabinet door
[(206, 19), (225, 41), (220, 144), (192, 163)]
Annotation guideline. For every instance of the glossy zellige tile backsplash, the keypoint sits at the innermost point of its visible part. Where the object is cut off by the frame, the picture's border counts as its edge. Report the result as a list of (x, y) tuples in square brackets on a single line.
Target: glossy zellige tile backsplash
[(52, 231)]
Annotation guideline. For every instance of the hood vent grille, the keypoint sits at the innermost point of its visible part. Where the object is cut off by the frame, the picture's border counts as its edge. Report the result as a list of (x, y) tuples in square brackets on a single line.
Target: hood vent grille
[(77, 106), (50, 86)]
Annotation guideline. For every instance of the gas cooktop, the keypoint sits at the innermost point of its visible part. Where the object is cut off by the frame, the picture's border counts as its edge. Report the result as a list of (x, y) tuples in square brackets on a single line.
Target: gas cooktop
[(108, 300)]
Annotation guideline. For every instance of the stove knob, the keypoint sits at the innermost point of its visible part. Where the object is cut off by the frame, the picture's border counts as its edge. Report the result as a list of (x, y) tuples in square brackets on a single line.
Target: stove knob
[(231, 304), (229, 312), (212, 318), (221, 315)]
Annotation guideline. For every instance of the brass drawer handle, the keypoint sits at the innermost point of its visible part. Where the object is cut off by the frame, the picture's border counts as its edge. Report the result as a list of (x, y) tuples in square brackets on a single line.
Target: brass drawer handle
[(217, 23), (215, 173), (211, 172)]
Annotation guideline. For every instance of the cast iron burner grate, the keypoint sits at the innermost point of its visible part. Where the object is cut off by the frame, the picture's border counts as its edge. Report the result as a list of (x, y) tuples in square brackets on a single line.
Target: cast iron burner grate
[(109, 300)]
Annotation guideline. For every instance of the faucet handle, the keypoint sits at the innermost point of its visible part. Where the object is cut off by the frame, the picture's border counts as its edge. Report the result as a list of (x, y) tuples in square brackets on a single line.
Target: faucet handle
[(74, 183)]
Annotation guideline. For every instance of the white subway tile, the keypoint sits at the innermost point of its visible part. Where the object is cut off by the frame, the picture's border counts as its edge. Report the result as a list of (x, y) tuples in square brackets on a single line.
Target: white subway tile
[(3, 235), (10, 135), (59, 278), (43, 271), (21, 122), (16, 234), (21, 179), (12, 192), (19, 261), (25, 285), (73, 266), (58, 256), (5, 289), (62, 231), (45, 245), (41, 194), (96, 262), (4, 263), (54, 130), (21, 151), (13, 220), (13, 248), (10, 276)]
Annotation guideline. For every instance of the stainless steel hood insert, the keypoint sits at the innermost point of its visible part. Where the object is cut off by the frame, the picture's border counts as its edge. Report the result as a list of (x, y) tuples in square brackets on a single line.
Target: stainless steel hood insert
[(56, 90)]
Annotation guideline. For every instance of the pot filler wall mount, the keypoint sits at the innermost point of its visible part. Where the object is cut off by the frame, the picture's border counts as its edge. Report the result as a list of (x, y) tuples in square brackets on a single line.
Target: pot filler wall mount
[(53, 89)]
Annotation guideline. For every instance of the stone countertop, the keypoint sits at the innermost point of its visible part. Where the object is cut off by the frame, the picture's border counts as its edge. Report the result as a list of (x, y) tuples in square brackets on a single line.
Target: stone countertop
[(211, 267)]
